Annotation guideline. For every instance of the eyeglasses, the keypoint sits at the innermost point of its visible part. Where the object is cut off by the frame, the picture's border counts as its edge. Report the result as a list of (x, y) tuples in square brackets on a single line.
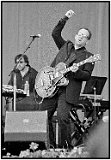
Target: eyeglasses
[(82, 35)]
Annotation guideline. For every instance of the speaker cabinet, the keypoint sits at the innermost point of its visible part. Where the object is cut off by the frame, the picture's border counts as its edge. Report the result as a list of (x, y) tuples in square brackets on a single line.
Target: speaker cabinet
[(26, 126)]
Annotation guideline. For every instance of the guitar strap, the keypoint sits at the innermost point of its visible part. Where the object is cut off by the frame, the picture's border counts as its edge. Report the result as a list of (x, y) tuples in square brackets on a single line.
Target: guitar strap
[(70, 53)]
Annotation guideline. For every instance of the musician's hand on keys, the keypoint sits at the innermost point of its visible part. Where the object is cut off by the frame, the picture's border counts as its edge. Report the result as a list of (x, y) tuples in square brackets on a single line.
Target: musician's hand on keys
[(69, 13), (74, 68)]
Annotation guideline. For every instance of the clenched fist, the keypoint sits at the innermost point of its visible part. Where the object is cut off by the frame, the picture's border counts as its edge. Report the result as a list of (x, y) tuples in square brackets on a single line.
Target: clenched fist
[(69, 13)]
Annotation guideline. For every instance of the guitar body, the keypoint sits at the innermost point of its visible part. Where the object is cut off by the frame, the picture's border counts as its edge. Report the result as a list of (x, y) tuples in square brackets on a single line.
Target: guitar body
[(48, 79), (43, 83)]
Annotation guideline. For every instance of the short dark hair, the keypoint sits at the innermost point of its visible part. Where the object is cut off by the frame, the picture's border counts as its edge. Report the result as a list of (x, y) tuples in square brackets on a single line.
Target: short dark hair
[(90, 34), (24, 56)]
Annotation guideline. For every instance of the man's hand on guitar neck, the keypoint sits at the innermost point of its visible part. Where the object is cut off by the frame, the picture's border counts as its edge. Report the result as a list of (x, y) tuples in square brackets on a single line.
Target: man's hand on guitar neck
[(74, 67)]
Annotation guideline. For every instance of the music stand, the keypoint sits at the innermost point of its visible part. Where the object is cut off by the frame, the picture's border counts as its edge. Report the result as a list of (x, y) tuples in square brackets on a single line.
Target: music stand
[(95, 82), (95, 86)]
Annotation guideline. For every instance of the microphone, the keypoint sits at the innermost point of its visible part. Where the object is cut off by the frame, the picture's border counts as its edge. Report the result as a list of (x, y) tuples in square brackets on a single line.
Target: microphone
[(36, 36)]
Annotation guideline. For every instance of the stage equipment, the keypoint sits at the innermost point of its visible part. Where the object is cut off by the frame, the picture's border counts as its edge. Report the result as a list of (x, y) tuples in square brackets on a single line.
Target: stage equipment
[(93, 106), (36, 36), (26, 126), (95, 82), (8, 91)]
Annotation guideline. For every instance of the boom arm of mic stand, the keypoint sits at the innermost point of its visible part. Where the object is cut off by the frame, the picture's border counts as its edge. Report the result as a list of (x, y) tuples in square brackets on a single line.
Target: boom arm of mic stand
[(33, 38)]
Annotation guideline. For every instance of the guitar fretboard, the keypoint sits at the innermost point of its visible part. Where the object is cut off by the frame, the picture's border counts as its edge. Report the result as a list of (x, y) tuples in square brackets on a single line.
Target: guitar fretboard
[(91, 59), (70, 68)]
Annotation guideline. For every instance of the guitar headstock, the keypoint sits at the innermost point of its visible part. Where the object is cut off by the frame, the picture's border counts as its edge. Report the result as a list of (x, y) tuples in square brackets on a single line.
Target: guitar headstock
[(94, 58)]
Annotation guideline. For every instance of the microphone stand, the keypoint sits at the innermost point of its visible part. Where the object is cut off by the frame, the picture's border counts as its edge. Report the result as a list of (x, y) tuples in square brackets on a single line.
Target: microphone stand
[(14, 79), (95, 105), (33, 38), (14, 70)]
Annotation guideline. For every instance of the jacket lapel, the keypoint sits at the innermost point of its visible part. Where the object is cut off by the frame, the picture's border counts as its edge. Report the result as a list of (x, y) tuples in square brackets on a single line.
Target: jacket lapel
[(72, 57)]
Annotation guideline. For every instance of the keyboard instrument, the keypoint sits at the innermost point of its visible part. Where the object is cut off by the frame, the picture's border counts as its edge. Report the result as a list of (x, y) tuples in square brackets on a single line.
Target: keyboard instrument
[(8, 91)]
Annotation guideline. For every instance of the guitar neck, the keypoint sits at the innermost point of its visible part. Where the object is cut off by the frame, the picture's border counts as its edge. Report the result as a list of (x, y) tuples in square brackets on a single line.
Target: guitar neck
[(91, 59), (78, 64)]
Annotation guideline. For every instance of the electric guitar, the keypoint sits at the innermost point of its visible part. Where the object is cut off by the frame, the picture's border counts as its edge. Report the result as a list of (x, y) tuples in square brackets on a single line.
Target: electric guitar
[(49, 78)]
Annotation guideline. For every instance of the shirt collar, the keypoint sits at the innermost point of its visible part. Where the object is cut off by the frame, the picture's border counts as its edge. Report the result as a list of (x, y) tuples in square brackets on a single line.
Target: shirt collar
[(79, 49)]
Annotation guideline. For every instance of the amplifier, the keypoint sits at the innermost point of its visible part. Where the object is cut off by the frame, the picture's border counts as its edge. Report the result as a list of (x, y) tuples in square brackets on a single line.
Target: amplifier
[(26, 126)]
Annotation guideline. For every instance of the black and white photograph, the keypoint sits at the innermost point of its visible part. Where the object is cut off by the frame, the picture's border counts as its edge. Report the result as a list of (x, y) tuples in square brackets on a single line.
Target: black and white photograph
[(55, 63)]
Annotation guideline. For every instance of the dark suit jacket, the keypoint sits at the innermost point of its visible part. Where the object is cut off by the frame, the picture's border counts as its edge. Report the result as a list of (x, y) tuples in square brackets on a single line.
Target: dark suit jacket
[(69, 55)]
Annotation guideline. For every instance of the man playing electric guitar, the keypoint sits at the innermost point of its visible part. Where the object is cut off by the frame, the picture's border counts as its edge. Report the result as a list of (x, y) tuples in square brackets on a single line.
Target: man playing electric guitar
[(68, 95)]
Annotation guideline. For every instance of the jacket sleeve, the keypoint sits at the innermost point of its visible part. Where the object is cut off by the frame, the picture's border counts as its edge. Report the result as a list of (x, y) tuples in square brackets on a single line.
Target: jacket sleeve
[(84, 74), (56, 33)]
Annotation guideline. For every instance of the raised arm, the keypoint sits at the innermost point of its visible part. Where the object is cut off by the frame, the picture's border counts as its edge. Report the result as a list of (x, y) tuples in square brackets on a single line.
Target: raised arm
[(56, 33)]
